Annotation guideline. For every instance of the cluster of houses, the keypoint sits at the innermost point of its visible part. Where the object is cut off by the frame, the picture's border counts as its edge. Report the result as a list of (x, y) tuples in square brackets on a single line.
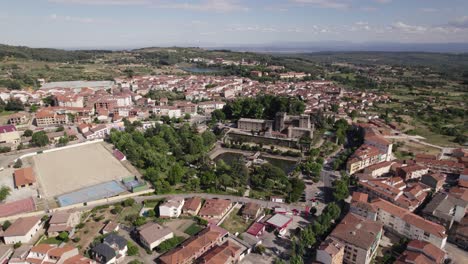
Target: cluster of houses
[(388, 194), (27, 229)]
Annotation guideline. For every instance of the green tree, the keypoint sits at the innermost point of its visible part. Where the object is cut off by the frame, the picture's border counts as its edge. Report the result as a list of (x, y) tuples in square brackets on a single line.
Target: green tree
[(341, 191), (14, 105), (40, 139), (63, 236), (4, 192), (132, 249), (218, 115), (6, 225), (28, 133), (63, 140), (128, 202), (18, 163)]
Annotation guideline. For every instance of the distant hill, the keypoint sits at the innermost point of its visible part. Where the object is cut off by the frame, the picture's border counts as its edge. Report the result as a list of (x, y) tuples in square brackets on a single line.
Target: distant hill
[(46, 54), (341, 46)]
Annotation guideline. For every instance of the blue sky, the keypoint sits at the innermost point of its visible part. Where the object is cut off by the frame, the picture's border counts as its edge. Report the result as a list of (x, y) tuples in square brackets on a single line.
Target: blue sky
[(139, 23)]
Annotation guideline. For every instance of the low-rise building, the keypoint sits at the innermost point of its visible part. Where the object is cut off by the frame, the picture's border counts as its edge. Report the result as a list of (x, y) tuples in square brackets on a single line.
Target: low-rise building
[(24, 177), (172, 207), (434, 180), (330, 251), (196, 246), (407, 224), (47, 117), (445, 209), (112, 250), (460, 237), (9, 135), (363, 157), (251, 210), (48, 253), (279, 222), (228, 252), (110, 227), (192, 206), (410, 172), (5, 253), (421, 252), (215, 208), (63, 222), (152, 234), (18, 118), (360, 236), (22, 230)]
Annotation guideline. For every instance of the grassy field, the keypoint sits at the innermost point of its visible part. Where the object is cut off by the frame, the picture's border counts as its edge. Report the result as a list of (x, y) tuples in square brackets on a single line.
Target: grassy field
[(193, 229), (235, 223), (50, 240), (134, 209)]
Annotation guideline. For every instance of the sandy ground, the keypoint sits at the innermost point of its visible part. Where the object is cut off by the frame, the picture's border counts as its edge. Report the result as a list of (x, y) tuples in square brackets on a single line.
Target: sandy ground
[(72, 169), (6, 179)]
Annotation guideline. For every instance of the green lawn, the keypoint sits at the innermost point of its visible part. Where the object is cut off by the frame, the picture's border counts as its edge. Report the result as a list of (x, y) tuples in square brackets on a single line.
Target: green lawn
[(235, 223), (50, 240), (193, 229), (134, 209)]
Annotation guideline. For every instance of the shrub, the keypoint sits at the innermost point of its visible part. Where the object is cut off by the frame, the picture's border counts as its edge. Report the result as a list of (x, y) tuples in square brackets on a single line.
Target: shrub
[(63, 236), (116, 210), (128, 202), (6, 224), (132, 249)]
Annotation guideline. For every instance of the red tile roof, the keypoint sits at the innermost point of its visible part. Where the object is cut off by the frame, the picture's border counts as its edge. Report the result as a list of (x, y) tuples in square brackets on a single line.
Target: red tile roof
[(24, 176), (16, 207)]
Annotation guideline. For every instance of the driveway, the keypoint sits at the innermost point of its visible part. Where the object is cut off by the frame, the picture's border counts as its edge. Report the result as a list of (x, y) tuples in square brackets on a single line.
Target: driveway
[(458, 255)]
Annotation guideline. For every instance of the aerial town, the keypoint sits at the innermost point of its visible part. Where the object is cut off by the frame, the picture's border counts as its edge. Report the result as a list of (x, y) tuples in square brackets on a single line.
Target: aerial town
[(74, 192)]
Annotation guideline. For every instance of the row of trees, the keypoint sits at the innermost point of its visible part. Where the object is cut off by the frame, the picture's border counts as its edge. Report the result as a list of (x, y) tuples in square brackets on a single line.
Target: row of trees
[(265, 106), (167, 155)]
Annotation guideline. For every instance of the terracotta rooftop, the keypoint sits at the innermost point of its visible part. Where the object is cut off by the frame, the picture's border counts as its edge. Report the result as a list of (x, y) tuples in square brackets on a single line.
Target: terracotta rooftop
[(16, 207), (193, 246), (360, 197), (24, 176), (222, 254), (358, 231), (214, 207), (192, 204), (21, 226), (410, 218)]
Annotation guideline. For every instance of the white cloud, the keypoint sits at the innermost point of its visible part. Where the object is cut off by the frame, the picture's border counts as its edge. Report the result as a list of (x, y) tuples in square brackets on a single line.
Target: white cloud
[(255, 28), (461, 22), (103, 2), (201, 5), (324, 3), (400, 26), (383, 1), (83, 20), (427, 10), (207, 5)]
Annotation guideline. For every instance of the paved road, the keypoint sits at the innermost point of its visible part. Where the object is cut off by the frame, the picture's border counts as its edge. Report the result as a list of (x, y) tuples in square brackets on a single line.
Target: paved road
[(238, 199), (458, 256)]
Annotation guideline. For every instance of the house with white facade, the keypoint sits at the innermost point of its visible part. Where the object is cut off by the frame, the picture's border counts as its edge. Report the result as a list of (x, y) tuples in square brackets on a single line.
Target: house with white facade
[(172, 207), (22, 230), (152, 234)]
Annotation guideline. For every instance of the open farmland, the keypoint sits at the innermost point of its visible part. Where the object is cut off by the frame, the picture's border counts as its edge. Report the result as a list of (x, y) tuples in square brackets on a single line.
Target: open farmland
[(75, 168)]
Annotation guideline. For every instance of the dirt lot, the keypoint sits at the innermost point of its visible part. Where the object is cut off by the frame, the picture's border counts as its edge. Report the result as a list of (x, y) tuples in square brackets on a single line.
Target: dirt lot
[(75, 168), (6, 179)]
